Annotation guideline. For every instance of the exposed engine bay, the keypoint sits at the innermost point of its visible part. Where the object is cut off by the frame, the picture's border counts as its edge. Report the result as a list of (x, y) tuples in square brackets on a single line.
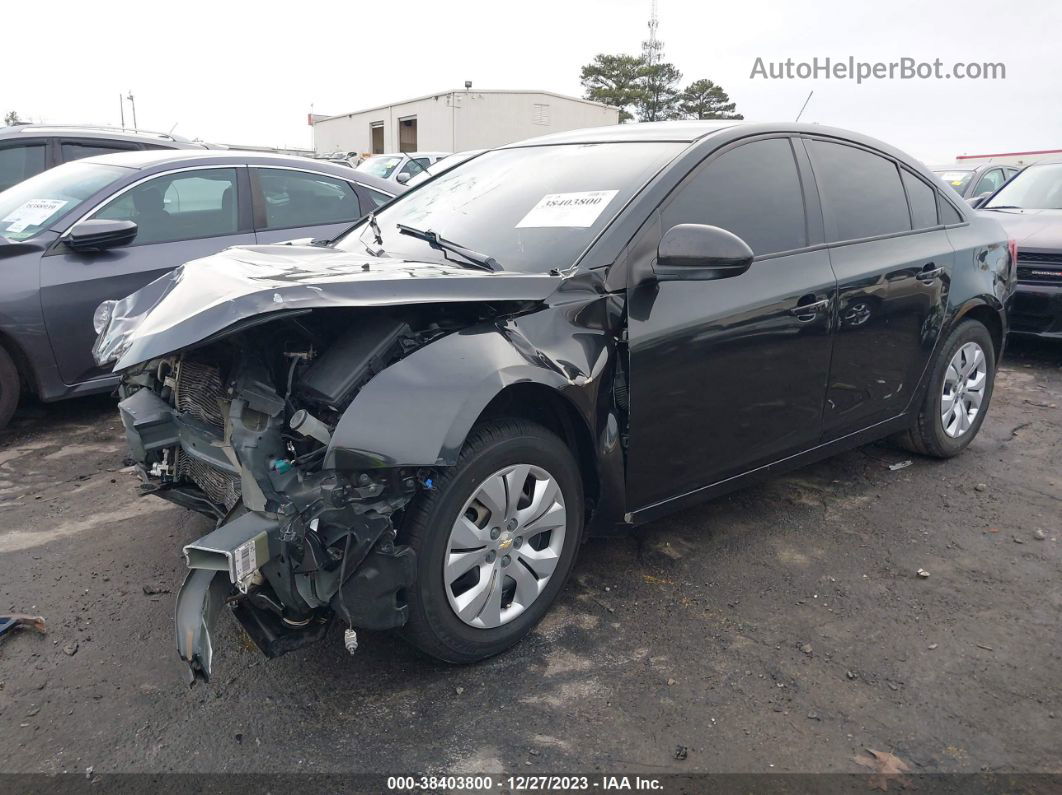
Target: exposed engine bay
[(238, 428)]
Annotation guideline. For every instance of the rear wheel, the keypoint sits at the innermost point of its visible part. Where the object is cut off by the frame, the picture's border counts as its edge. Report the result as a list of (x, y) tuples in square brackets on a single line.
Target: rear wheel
[(495, 540), (960, 389), (10, 386)]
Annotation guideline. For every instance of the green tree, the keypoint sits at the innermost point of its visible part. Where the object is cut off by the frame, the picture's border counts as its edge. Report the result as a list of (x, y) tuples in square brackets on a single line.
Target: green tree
[(615, 80), (703, 99), (660, 92), (11, 119)]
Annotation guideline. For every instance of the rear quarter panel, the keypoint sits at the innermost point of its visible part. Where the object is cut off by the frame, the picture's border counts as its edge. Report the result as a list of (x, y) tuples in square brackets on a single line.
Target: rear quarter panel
[(983, 274)]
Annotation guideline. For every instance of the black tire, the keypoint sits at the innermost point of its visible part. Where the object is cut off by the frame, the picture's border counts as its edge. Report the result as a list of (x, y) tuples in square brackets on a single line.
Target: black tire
[(926, 435), (10, 387), (433, 626)]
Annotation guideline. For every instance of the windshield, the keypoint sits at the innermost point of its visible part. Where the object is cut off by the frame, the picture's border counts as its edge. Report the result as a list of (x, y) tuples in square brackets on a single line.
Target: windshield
[(957, 179), (1035, 188), (441, 165), (29, 207), (381, 167), (532, 209)]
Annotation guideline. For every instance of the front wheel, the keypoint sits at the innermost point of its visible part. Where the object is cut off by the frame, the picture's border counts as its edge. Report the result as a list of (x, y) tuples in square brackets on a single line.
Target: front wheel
[(960, 389), (495, 541)]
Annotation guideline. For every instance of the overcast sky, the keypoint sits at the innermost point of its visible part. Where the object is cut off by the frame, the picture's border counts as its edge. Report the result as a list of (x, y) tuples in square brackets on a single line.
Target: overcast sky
[(248, 73)]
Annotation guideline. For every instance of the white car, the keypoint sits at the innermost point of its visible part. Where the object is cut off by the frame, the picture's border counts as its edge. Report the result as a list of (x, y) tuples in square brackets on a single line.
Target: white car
[(399, 167)]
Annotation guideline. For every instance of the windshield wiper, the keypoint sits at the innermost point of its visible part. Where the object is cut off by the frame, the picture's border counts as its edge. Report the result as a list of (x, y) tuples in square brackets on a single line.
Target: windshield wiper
[(481, 261), (1003, 207)]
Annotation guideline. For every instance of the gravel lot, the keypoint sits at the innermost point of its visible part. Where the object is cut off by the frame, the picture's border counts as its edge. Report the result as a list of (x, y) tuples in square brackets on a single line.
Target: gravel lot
[(783, 628)]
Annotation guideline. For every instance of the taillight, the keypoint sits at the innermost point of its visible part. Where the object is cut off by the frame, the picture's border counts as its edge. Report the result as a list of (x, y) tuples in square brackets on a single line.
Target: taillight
[(1012, 246)]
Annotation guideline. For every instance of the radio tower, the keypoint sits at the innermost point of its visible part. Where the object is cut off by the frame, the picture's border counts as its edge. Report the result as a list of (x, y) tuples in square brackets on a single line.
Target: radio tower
[(651, 47)]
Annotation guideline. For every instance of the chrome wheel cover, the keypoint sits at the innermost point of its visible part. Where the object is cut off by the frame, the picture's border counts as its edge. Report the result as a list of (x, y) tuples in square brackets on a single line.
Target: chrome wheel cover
[(504, 546), (965, 381)]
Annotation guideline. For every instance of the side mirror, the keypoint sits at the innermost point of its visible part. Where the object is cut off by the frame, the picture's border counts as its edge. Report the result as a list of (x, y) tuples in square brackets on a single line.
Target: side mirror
[(699, 251), (977, 201), (101, 234), (403, 178)]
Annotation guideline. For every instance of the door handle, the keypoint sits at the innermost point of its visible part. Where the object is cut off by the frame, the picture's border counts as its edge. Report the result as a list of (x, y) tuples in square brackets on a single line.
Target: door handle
[(929, 273), (809, 311)]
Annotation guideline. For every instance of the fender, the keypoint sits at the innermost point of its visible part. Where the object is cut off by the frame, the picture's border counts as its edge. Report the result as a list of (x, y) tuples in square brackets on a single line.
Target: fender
[(418, 412)]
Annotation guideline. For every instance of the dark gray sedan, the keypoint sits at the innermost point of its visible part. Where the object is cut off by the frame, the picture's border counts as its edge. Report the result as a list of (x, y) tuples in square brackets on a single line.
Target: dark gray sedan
[(103, 227)]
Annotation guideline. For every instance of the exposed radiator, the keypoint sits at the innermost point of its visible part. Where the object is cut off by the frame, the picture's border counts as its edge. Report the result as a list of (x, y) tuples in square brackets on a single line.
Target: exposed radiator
[(199, 390)]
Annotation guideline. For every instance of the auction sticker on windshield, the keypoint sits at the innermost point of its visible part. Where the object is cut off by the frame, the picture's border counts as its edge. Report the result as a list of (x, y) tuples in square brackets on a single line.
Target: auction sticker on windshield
[(568, 209), (31, 213)]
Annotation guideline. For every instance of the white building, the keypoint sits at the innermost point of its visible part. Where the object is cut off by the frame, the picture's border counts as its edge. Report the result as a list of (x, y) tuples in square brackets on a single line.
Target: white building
[(455, 121)]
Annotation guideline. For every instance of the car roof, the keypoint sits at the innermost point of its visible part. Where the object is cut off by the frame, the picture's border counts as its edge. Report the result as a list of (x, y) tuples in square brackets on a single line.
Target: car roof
[(679, 131), (103, 133), (952, 168), (161, 159)]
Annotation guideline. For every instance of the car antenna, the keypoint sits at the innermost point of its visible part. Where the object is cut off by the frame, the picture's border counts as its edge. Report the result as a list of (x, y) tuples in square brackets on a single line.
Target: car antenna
[(806, 101)]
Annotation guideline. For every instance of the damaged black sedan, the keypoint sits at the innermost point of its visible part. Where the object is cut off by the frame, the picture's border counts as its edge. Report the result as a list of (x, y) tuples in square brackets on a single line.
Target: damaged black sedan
[(414, 426)]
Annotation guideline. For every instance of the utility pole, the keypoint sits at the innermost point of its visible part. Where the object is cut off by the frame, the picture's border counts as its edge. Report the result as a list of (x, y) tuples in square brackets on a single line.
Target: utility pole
[(133, 103)]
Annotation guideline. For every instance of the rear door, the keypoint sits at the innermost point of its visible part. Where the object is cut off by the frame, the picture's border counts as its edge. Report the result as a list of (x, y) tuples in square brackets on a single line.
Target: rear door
[(893, 263), (291, 203), (729, 375), (180, 216)]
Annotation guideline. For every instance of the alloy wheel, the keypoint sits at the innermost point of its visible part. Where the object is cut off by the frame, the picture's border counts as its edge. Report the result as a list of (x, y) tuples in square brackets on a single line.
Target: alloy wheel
[(504, 546)]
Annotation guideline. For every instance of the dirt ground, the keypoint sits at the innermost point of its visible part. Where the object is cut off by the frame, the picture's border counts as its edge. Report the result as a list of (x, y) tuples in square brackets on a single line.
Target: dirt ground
[(783, 628)]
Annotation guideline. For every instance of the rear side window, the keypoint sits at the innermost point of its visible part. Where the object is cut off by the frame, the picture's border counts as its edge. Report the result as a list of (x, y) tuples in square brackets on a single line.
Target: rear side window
[(19, 162), (298, 198), (378, 199), (923, 201), (948, 214), (74, 150), (861, 192), (752, 191)]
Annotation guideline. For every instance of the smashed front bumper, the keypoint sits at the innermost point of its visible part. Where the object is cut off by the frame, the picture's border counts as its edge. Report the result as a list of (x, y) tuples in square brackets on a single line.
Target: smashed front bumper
[(292, 550)]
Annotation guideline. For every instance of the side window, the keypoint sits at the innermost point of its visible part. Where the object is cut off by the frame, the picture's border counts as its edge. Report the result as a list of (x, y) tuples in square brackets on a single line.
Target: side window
[(861, 192), (948, 214), (75, 150), (991, 181), (923, 201), (182, 206), (378, 199), (298, 198), (414, 167), (19, 162), (752, 191)]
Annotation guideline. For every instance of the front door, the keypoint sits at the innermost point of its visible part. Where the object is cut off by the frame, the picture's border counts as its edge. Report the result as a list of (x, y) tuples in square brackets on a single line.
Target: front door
[(729, 375), (180, 216)]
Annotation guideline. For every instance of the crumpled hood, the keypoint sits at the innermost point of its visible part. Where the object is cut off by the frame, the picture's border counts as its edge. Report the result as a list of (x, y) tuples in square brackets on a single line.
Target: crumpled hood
[(1035, 229), (206, 296)]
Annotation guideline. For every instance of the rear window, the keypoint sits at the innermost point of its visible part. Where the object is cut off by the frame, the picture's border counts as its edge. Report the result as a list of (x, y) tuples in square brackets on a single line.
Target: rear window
[(862, 195), (381, 167)]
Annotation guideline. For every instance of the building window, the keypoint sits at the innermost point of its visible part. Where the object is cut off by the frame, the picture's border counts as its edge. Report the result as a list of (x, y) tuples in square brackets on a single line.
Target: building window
[(540, 114), (376, 137)]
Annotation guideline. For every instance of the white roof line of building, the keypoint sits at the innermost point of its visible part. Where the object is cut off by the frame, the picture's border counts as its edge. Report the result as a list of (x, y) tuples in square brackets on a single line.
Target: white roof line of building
[(438, 94)]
